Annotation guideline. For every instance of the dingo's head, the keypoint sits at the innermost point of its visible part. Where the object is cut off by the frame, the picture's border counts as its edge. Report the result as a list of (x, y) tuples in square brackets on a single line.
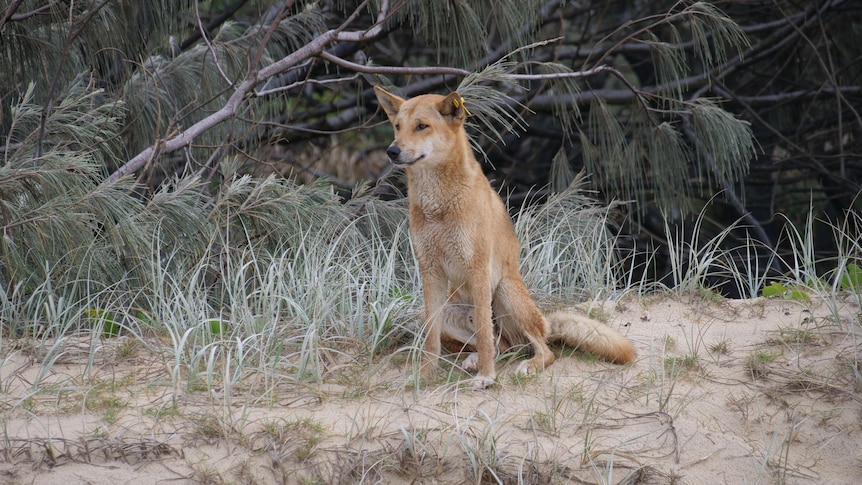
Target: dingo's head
[(426, 127)]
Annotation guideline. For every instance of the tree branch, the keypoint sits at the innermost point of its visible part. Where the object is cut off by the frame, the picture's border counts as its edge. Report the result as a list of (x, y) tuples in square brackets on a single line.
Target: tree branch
[(372, 69), (8, 12), (232, 106), (454, 71)]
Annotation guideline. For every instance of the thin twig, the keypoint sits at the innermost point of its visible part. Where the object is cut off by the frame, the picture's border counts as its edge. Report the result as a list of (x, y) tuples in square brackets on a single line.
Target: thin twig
[(210, 46)]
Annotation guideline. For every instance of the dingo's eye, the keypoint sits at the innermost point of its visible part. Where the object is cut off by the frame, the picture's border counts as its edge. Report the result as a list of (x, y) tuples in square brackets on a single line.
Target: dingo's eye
[(397, 127), (421, 126)]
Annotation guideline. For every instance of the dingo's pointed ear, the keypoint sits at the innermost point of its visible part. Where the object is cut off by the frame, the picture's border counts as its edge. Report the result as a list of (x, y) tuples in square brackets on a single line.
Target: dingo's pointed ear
[(452, 107), (389, 102)]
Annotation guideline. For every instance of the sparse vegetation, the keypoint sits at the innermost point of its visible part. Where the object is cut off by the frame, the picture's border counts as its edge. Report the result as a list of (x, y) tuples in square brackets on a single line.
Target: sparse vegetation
[(757, 363), (720, 347), (677, 365)]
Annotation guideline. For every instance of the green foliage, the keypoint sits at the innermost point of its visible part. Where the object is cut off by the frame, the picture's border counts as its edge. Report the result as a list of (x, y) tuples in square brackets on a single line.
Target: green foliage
[(727, 142), (64, 224), (665, 147), (217, 327), (494, 113), (59, 216), (194, 215), (100, 318), (154, 85), (776, 289), (650, 149), (851, 279), (169, 91)]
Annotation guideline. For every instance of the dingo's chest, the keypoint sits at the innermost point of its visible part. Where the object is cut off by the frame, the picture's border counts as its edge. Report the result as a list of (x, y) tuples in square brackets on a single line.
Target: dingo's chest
[(441, 242)]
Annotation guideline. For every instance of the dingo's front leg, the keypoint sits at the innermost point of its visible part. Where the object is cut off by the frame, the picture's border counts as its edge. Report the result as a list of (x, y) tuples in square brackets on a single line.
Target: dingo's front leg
[(435, 291), (484, 332)]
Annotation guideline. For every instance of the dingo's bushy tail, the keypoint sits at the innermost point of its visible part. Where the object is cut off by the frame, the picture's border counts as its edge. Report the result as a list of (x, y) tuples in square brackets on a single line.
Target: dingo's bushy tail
[(584, 333)]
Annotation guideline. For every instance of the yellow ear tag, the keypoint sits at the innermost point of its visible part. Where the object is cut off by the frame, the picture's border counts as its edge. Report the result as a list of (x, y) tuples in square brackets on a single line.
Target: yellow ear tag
[(461, 102)]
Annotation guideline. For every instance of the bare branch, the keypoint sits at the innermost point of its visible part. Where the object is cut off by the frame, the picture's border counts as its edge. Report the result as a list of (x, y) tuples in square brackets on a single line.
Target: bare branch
[(8, 12), (454, 71), (304, 82), (373, 31), (371, 69), (233, 104)]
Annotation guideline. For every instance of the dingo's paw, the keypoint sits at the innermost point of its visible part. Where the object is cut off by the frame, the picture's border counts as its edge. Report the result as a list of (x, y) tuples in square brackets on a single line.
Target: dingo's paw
[(482, 382), (471, 363), (526, 368)]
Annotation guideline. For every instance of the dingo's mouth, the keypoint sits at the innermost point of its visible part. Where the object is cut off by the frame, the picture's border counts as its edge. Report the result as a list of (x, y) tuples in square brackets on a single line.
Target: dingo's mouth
[(407, 163)]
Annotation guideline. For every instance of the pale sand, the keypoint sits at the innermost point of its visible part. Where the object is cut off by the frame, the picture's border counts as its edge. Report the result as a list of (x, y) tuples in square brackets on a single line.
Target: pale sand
[(798, 420)]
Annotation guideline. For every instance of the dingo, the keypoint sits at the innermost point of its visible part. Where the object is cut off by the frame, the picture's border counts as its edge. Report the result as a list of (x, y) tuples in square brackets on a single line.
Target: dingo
[(467, 250)]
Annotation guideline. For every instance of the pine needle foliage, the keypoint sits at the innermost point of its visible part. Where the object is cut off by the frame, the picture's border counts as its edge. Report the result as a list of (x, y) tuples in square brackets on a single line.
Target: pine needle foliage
[(169, 93), (637, 152), (649, 157), (665, 146), (670, 65), (64, 222), (463, 31), (728, 141), (59, 218), (493, 112), (713, 34), (64, 40), (166, 89), (131, 49), (563, 88)]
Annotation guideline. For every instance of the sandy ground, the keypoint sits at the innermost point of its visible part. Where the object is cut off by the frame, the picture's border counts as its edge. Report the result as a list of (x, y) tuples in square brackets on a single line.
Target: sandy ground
[(762, 391)]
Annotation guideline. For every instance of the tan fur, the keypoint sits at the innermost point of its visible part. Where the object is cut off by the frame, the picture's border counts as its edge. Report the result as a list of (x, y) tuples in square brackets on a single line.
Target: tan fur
[(567, 326), (467, 249), (589, 335)]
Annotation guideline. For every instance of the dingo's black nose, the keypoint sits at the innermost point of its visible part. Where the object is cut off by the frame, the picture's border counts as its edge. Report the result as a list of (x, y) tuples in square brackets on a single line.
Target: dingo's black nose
[(393, 152)]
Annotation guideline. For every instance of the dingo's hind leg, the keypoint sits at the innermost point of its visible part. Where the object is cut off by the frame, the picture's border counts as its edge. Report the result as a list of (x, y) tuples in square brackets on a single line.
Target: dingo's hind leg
[(521, 321)]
